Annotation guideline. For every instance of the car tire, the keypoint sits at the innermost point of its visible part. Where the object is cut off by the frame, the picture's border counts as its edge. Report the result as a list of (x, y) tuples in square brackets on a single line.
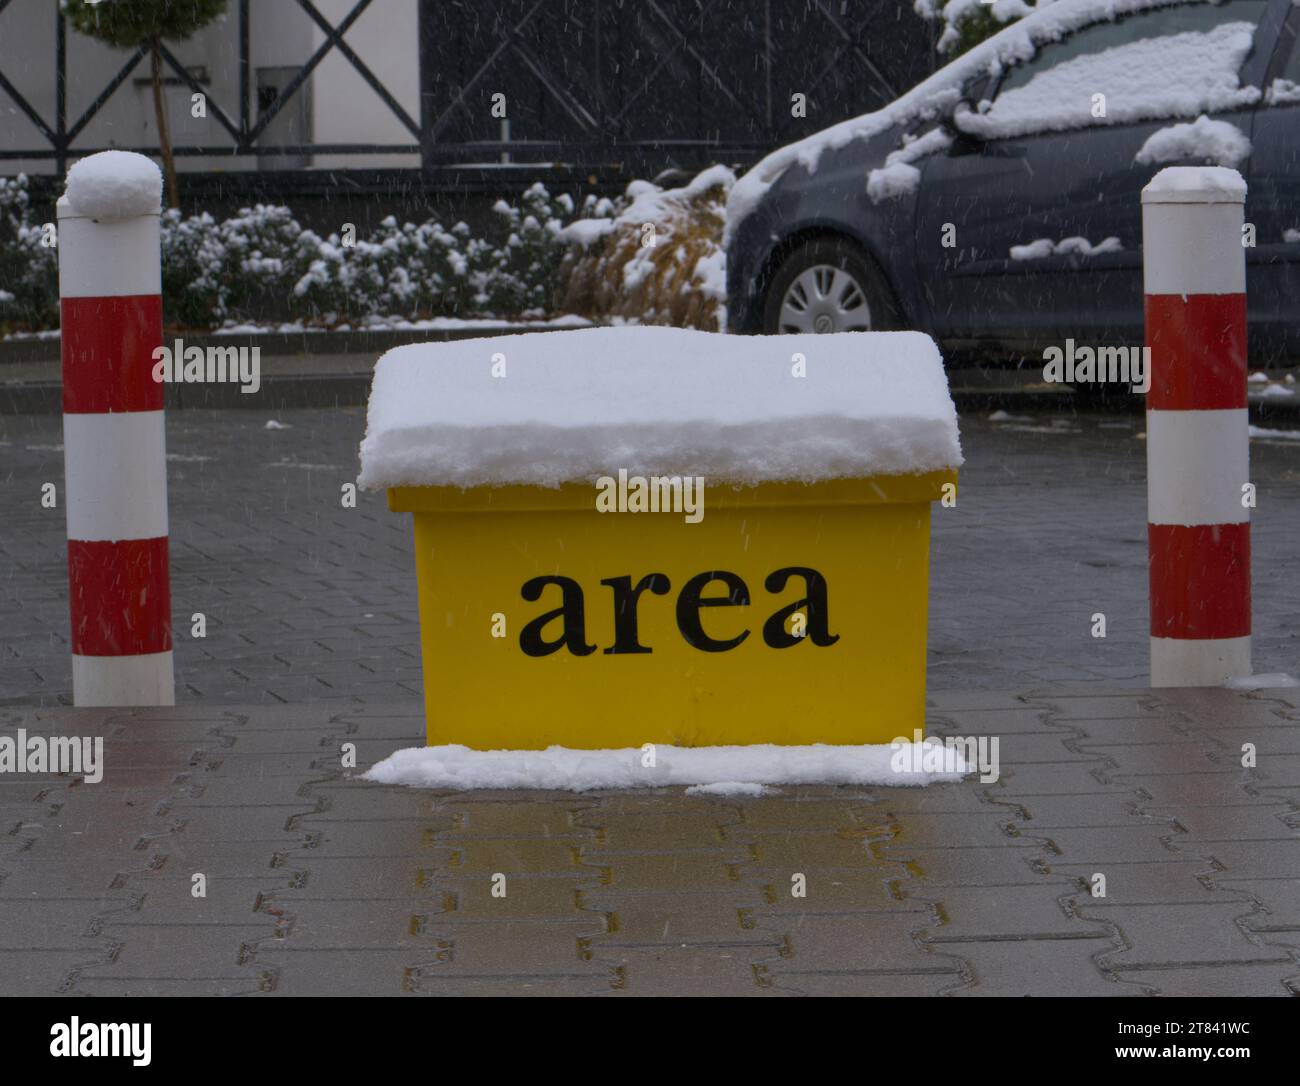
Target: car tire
[(828, 285)]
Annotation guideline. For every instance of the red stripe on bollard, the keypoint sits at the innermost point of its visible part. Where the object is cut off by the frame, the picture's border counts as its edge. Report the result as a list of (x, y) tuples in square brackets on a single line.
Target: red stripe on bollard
[(121, 597), (108, 346), (1200, 580), (1198, 351)]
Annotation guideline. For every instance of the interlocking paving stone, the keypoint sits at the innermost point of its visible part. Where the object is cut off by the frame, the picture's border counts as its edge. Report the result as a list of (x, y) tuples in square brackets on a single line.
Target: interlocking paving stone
[(431, 981), (181, 949), (674, 919), (321, 883), (1038, 967), (549, 946), (41, 972), (879, 985), (1265, 979), (1007, 911), (1015, 863), (1037, 815), (1058, 778), (526, 896), (1157, 882), (1256, 859), (859, 940), (1120, 844), (1181, 933), (842, 889), (691, 970), (1229, 821), (1279, 898)]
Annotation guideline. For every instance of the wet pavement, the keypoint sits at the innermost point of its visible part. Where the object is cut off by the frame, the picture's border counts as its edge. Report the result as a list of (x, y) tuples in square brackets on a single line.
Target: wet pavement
[(306, 601), (315, 882)]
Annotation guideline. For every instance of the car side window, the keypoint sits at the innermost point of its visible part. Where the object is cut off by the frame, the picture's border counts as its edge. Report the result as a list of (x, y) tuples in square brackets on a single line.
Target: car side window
[(1163, 63)]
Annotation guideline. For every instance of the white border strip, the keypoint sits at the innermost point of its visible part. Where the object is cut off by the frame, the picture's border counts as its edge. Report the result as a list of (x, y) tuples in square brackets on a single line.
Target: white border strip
[(116, 475), (1211, 662), (109, 259), (1193, 249), (123, 680), (1197, 463)]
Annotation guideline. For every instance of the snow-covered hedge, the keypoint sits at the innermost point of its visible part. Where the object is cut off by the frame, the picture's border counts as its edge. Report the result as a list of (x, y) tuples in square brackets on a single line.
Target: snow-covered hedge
[(261, 264), (653, 256), (29, 273), (966, 23)]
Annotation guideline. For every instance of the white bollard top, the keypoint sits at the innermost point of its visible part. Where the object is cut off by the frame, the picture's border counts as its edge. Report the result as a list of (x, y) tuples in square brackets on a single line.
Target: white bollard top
[(1195, 185), (113, 185)]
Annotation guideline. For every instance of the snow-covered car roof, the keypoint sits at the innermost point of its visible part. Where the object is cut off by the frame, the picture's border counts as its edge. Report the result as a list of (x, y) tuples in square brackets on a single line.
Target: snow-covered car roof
[(941, 92)]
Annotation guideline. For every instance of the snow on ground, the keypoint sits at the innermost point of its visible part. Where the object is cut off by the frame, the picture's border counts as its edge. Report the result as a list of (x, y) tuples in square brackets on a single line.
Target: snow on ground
[(1212, 141), (115, 185), (576, 405), (1045, 247), (1275, 680), (1264, 434), (1057, 426), (735, 770), (942, 91), (370, 324)]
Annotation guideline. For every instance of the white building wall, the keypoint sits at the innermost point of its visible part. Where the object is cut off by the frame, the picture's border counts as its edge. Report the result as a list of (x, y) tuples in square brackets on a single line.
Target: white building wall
[(344, 109), (347, 110)]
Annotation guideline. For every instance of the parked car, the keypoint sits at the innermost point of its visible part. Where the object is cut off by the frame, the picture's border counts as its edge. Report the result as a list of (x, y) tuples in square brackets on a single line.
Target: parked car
[(998, 204)]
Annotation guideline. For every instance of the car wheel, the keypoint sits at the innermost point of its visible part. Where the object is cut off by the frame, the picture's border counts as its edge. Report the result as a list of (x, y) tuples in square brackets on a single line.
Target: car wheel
[(828, 285)]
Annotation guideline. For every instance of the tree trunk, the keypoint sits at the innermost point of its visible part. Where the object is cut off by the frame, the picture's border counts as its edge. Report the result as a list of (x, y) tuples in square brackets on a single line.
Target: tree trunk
[(160, 115)]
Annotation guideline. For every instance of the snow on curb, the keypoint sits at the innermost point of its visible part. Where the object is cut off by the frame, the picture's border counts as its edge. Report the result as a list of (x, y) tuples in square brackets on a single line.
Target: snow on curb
[(1273, 680), (1265, 434), (115, 185), (736, 770)]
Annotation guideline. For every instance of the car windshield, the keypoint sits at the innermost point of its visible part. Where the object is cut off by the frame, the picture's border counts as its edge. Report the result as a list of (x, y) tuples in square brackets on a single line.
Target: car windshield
[(1169, 62)]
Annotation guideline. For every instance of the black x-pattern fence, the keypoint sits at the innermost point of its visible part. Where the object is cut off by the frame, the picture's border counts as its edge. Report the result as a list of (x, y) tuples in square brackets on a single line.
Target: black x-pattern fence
[(609, 87)]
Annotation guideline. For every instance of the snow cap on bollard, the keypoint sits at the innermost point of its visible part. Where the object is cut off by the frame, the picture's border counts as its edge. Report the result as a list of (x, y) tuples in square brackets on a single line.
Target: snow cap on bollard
[(114, 185), (1198, 449), (113, 432)]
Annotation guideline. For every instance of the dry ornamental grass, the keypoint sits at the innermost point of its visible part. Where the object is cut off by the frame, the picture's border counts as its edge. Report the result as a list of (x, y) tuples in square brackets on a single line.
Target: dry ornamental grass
[(658, 261)]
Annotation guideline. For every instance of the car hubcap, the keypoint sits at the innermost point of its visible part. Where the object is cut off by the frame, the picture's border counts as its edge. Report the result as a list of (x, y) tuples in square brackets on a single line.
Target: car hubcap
[(824, 299)]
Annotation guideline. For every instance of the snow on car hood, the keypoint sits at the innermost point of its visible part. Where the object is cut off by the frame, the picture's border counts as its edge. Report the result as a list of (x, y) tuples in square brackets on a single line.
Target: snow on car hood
[(941, 92)]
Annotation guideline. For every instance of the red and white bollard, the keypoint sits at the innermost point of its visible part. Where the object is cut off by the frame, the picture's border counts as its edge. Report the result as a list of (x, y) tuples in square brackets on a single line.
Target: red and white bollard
[(114, 443), (1198, 443)]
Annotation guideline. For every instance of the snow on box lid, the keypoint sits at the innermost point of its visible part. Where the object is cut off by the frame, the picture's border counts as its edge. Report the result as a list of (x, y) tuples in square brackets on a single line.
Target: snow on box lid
[(577, 405)]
